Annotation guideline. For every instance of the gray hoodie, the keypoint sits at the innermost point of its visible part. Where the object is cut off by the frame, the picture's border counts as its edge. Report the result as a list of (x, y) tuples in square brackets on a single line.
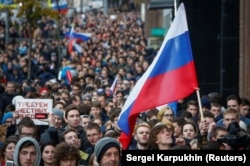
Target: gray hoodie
[(19, 144)]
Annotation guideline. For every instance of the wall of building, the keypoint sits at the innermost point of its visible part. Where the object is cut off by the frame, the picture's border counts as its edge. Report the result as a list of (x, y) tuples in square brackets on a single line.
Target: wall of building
[(244, 62), (214, 35)]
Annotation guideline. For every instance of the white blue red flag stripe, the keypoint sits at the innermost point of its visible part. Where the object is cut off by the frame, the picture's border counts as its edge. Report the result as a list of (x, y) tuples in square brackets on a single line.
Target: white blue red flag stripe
[(61, 6), (114, 85), (82, 36), (170, 77), (74, 37), (78, 35), (73, 46)]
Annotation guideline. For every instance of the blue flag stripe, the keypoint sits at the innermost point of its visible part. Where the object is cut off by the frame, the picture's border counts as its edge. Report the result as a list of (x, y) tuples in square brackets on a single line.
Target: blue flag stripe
[(176, 47)]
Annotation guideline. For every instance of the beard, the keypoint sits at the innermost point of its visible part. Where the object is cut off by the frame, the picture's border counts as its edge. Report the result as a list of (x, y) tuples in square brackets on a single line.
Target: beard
[(145, 144)]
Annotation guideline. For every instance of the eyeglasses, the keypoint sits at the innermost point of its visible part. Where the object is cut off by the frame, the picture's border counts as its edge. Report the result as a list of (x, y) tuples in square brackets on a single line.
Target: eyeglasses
[(92, 135), (84, 116), (74, 89), (26, 135)]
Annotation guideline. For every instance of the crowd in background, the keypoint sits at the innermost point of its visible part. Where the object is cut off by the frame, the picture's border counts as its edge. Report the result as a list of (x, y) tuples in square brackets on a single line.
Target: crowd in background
[(85, 110)]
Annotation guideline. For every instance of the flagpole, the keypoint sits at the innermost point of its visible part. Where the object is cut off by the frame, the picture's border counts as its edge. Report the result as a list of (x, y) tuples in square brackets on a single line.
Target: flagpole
[(199, 102)]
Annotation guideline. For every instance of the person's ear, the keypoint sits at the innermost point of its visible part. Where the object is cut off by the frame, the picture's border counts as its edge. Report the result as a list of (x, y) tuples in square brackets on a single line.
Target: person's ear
[(65, 119)]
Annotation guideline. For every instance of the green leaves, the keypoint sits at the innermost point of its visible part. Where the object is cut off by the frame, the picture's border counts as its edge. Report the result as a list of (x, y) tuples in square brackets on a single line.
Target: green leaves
[(34, 10)]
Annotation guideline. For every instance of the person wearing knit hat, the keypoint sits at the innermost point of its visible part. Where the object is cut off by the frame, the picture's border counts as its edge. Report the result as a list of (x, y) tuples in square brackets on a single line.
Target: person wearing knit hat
[(86, 98), (7, 118), (108, 145), (55, 124), (57, 118), (43, 91), (58, 112)]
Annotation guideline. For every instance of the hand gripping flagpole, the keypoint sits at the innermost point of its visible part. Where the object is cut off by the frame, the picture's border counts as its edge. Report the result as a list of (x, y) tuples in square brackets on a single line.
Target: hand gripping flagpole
[(199, 102)]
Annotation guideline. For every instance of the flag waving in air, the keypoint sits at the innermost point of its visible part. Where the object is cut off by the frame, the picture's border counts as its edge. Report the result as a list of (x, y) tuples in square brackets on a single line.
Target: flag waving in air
[(60, 5), (114, 85), (74, 37), (170, 77), (77, 35), (73, 46)]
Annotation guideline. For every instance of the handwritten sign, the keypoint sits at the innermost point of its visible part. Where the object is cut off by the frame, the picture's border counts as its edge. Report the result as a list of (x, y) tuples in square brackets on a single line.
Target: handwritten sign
[(31, 107)]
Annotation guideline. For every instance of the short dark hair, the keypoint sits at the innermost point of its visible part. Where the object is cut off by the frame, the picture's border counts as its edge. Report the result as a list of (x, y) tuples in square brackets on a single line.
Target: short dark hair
[(245, 101), (115, 112), (26, 145), (67, 131), (69, 108), (180, 121), (58, 102), (96, 104), (206, 114), (215, 130), (153, 122), (234, 97), (192, 102), (215, 104), (152, 112), (112, 133), (26, 122), (191, 122), (9, 140), (92, 125)]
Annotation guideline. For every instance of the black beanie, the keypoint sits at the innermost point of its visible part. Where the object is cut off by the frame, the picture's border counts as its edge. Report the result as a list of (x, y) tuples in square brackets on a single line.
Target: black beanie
[(103, 145)]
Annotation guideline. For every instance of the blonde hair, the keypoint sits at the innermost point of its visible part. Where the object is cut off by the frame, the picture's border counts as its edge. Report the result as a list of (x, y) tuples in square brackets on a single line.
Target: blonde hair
[(144, 124), (162, 112)]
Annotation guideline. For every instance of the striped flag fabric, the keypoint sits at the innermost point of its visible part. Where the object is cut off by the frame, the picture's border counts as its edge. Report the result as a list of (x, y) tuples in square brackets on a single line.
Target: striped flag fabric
[(114, 85), (61, 6), (69, 76), (73, 46), (170, 77), (81, 36), (78, 35)]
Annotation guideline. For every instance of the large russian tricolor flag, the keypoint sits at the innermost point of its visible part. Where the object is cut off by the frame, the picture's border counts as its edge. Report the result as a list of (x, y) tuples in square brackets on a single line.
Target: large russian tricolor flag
[(170, 77)]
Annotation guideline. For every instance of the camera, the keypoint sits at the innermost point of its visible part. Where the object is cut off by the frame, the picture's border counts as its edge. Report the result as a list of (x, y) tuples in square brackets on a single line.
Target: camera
[(9, 163), (236, 138)]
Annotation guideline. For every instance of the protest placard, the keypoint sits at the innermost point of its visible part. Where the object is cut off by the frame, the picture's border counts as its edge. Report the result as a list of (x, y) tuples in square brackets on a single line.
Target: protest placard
[(34, 108)]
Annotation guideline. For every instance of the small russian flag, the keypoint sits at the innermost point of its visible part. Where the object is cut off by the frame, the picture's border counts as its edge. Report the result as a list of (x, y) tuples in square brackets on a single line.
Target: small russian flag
[(61, 6)]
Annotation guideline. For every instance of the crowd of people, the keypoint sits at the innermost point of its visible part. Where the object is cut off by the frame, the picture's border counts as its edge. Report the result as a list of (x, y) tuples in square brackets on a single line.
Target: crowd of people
[(82, 126)]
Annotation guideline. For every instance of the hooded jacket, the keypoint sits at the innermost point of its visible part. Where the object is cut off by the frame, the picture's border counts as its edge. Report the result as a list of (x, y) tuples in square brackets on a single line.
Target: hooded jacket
[(20, 143)]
